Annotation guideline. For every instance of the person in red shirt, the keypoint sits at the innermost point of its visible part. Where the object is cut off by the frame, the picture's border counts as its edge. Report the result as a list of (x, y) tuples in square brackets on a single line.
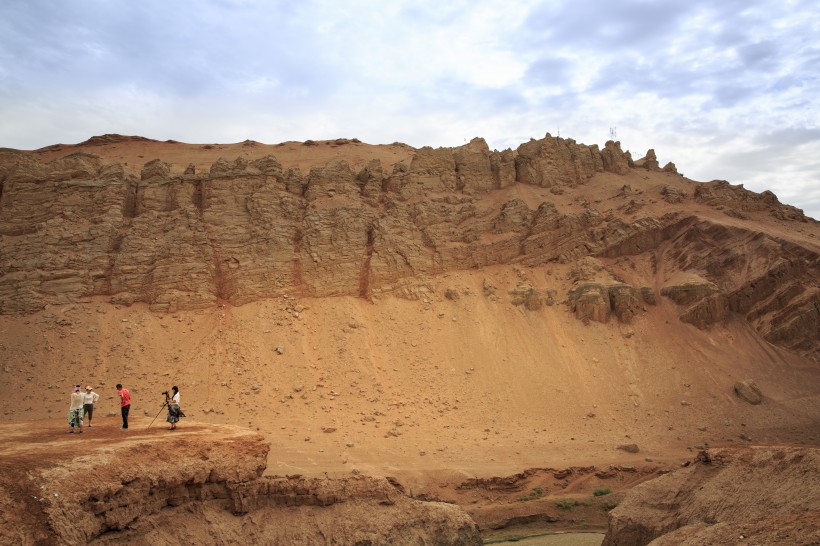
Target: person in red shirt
[(125, 403)]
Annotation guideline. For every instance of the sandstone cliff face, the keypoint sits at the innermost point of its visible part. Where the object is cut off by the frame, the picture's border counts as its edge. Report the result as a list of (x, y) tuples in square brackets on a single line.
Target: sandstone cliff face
[(77, 227), (248, 229)]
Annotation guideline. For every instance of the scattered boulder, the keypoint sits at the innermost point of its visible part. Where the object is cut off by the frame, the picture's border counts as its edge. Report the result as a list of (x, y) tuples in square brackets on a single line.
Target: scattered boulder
[(748, 391), (452, 294)]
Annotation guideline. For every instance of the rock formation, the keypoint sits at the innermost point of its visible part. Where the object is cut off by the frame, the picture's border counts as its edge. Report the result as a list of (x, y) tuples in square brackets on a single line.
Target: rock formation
[(181, 237), (754, 495)]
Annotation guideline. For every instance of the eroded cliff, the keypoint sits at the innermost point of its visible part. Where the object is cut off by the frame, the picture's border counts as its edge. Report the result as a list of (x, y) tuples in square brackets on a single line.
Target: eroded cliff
[(177, 237), (201, 485), (751, 495)]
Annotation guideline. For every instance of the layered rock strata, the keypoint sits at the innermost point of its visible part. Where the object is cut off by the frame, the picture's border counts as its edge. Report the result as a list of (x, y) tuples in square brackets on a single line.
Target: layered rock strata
[(79, 227)]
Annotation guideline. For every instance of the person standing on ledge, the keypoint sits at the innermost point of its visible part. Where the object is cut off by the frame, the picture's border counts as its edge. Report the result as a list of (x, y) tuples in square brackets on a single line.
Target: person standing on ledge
[(125, 403), (89, 399), (75, 410), (174, 412)]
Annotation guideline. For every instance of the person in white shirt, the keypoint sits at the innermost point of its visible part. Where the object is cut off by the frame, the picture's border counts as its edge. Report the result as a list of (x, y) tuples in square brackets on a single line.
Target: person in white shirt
[(174, 413), (89, 399), (75, 410)]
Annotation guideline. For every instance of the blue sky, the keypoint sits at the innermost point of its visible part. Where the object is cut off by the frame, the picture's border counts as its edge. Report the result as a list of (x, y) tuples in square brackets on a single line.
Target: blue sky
[(727, 90)]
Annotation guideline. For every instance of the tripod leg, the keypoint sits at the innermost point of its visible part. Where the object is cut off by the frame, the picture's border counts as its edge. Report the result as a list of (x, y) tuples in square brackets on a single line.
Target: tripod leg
[(155, 418)]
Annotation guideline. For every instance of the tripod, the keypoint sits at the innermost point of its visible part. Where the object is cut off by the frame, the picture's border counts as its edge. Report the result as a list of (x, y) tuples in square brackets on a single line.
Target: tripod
[(164, 405)]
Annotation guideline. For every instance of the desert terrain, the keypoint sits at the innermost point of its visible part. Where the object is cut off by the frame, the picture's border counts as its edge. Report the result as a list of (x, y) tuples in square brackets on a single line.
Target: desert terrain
[(498, 330)]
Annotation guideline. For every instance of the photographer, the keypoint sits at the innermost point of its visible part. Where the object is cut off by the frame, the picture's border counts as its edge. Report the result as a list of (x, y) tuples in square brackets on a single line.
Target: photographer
[(174, 413)]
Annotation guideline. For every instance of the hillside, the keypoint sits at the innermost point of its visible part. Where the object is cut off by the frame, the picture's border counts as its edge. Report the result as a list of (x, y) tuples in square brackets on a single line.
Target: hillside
[(432, 314)]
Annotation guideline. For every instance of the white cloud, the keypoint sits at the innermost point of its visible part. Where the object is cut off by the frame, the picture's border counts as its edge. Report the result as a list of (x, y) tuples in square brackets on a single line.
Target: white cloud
[(701, 82)]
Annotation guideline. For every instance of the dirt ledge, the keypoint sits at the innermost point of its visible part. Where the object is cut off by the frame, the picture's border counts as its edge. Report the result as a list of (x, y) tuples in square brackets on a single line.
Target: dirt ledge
[(200, 484)]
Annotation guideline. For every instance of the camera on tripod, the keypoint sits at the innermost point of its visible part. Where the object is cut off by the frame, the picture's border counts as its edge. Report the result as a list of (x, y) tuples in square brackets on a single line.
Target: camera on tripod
[(165, 393)]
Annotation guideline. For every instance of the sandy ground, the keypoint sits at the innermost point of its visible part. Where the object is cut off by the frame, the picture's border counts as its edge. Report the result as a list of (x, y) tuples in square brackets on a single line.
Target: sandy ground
[(476, 387)]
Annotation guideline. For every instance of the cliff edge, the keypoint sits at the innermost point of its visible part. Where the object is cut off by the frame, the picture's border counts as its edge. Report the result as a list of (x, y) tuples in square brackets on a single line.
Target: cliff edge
[(202, 484)]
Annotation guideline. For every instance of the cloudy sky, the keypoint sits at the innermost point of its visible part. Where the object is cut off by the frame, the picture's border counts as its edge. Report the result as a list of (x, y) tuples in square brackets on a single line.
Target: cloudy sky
[(726, 89)]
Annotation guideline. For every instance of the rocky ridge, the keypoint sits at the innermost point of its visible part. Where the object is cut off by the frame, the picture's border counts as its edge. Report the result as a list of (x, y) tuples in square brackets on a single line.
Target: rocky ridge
[(81, 226)]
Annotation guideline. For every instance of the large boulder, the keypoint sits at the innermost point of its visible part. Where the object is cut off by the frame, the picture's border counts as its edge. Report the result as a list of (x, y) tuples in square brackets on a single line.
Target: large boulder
[(748, 391)]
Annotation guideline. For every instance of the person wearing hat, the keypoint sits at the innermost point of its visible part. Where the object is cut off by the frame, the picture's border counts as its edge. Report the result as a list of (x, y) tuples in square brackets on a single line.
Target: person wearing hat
[(75, 410), (89, 399)]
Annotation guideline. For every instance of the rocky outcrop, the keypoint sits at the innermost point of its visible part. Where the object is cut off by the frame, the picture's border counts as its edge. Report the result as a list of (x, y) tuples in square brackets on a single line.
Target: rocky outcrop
[(649, 161), (553, 161), (670, 168), (624, 301), (596, 302), (529, 297), (242, 230), (648, 295), (703, 301), (735, 198), (672, 195), (596, 294), (590, 301), (706, 311), (774, 500), (719, 271), (209, 488), (113, 138), (614, 159)]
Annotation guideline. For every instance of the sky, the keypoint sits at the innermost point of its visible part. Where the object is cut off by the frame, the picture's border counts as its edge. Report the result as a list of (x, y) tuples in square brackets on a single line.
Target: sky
[(725, 89)]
